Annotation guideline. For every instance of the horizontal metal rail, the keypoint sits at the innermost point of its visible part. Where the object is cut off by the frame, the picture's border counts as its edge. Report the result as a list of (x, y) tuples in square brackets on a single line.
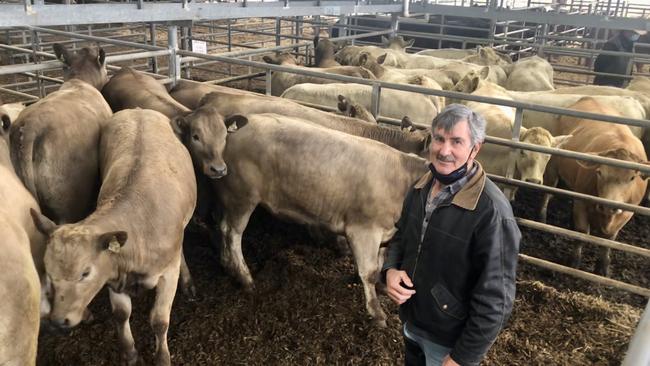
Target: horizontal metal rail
[(584, 237), (585, 275)]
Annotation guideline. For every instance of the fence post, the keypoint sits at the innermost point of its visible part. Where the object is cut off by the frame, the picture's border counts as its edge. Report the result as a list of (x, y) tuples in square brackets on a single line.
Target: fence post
[(376, 96), (174, 58), (510, 171), (268, 81)]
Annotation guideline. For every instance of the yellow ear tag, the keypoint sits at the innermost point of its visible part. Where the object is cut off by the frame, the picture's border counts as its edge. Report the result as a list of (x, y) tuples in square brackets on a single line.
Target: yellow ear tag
[(114, 246)]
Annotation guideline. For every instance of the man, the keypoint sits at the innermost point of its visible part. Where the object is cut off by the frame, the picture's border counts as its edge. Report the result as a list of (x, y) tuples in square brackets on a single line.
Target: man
[(616, 64), (451, 265)]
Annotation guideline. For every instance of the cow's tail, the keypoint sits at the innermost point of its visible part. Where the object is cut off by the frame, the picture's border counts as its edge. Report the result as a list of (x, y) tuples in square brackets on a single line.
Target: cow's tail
[(22, 156)]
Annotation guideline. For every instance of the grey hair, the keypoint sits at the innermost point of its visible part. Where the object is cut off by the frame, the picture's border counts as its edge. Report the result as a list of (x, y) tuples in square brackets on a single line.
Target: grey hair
[(455, 113)]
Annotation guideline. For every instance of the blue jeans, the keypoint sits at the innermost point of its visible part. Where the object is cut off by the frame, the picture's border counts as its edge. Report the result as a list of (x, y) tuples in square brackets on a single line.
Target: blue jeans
[(422, 352)]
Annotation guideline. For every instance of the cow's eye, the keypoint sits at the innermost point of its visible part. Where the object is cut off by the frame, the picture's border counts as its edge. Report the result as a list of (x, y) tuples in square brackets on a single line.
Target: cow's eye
[(195, 137), (85, 274), (632, 178)]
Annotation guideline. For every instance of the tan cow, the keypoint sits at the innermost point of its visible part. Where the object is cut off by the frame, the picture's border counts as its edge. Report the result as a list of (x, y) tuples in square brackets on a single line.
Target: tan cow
[(130, 89), (190, 93), (281, 81), (22, 250), (617, 184), (227, 104), (625, 106), (54, 141), (134, 238), (395, 48), (403, 76), (271, 153), (530, 74), (393, 103), (448, 53), (324, 51), (529, 165), (640, 84)]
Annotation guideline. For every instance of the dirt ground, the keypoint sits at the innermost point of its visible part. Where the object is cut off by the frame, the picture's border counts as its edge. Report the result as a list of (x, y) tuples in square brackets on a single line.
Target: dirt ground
[(308, 309), (308, 306)]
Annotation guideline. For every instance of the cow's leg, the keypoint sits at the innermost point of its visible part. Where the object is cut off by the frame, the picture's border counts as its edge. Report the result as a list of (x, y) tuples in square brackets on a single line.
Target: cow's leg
[(602, 264), (380, 286), (187, 284), (581, 224), (365, 246), (550, 179), (162, 307), (121, 305), (232, 225)]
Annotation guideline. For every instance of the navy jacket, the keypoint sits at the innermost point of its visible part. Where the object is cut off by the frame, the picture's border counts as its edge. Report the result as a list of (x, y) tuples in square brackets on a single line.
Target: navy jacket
[(464, 269)]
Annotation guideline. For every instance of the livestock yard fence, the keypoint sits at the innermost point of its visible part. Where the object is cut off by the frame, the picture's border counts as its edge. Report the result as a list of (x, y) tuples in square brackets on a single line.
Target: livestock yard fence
[(200, 39)]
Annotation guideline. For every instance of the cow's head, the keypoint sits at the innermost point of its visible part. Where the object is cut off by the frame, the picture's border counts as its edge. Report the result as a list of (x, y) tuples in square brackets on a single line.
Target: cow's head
[(488, 56), (397, 43), (347, 55), (204, 133), (530, 164), (284, 58), (616, 184), (78, 261), (87, 64)]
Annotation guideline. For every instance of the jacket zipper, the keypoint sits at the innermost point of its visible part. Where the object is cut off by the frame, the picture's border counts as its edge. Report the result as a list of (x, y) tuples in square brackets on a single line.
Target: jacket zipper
[(417, 256)]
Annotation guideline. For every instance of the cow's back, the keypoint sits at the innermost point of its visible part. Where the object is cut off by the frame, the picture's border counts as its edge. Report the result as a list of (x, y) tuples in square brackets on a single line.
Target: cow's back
[(20, 291), (342, 179), (54, 149), (130, 89), (147, 177)]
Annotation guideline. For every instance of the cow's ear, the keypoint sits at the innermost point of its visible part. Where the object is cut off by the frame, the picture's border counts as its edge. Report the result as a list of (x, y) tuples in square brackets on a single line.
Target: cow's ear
[(268, 59), (179, 125), (6, 122), (482, 52), (101, 59), (589, 165), (409, 43), (559, 141), (234, 123), (353, 111), (61, 53), (42, 223), (342, 104), (381, 59), (406, 124), (112, 241), (363, 58), (485, 72)]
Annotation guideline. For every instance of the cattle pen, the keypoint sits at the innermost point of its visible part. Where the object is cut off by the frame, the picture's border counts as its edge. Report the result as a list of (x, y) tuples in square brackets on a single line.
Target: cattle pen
[(222, 43)]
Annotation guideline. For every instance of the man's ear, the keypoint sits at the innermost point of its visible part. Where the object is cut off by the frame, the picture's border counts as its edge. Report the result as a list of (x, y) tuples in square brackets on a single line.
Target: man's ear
[(235, 122), (477, 148), (112, 241), (42, 223)]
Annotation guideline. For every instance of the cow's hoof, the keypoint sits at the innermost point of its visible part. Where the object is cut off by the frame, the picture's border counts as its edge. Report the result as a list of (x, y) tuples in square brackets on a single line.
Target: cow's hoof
[(130, 358), (189, 291), (379, 323), (601, 270)]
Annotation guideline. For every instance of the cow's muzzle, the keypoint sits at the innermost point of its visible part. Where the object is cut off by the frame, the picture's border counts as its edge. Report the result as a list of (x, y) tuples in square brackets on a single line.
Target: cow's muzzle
[(216, 171)]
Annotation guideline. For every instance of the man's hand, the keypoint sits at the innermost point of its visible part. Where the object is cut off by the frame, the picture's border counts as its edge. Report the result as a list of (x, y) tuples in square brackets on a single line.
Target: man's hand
[(396, 291), (448, 361)]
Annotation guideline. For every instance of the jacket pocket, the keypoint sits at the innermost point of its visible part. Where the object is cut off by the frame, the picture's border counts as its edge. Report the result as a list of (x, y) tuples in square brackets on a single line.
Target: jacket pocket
[(447, 303)]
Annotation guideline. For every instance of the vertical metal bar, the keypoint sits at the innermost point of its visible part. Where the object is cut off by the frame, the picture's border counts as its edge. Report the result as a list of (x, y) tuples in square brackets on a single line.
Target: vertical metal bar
[(638, 353), (394, 24), (28, 6), (153, 61), (278, 31), (185, 45), (36, 46), (516, 131), (268, 81), (174, 58), (375, 101)]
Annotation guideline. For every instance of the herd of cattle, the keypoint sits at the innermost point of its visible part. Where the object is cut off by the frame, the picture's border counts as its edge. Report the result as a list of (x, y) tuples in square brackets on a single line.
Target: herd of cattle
[(100, 178)]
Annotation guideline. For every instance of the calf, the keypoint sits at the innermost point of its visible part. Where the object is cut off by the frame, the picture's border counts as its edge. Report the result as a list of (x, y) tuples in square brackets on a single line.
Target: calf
[(350, 185), (134, 238), (605, 181), (22, 250), (54, 141), (228, 104), (281, 81)]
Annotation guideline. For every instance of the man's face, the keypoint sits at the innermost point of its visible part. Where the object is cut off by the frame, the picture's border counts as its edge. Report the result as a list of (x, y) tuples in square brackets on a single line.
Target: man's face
[(450, 150)]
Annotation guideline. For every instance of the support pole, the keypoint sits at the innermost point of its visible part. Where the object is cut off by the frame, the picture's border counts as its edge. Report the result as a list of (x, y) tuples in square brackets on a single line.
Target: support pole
[(174, 58)]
